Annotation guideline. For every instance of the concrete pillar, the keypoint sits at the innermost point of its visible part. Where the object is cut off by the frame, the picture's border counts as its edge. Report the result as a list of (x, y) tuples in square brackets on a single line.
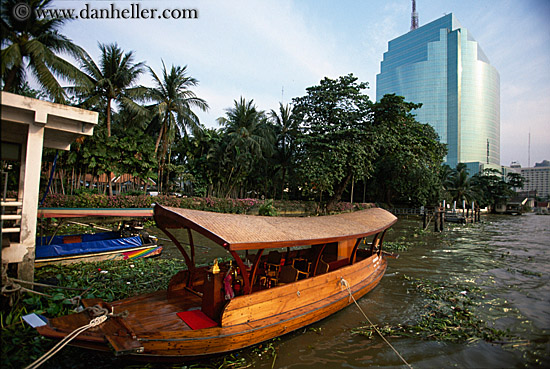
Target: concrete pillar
[(28, 194)]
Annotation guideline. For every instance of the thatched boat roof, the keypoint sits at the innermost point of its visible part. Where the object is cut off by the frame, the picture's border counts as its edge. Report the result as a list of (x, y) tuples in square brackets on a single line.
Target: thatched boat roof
[(242, 232)]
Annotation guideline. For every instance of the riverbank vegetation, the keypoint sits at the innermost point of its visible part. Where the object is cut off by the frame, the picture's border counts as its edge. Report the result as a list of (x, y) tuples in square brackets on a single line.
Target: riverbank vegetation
[(221, 205)]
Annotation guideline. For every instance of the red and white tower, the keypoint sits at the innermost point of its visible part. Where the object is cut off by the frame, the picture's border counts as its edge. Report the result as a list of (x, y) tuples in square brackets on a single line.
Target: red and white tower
[(414, 17)]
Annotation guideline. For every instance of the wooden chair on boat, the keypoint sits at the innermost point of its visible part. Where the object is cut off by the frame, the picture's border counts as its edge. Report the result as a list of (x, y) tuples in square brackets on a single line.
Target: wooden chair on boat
[(272, 269), (288, 274), (273, 264), (322, 267), (303, 266)]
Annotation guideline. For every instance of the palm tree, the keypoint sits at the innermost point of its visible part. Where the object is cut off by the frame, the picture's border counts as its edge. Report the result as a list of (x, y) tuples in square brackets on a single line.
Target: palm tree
[(173, 106), (246, 128), (113, 80), (33, 45), (249, 136), (459, 184), (287, 129)]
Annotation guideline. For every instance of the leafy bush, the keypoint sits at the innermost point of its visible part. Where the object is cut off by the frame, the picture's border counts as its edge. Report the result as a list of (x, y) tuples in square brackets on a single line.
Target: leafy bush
[(267, 209), (238, 206), (89, 200)]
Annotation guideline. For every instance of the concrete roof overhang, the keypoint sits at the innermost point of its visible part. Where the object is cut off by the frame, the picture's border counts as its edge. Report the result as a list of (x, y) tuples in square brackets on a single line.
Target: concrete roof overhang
[(63, 124)]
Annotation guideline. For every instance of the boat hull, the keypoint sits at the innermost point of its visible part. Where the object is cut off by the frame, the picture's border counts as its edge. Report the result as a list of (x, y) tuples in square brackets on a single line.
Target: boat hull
[(246, 320), (146, 251)]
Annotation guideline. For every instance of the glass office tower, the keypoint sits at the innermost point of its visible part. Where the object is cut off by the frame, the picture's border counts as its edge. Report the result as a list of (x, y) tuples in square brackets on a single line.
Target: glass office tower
[(441, 66)]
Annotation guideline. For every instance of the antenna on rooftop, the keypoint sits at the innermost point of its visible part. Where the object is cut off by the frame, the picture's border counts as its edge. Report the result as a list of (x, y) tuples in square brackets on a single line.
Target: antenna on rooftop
[(414, 17), (529, 150)]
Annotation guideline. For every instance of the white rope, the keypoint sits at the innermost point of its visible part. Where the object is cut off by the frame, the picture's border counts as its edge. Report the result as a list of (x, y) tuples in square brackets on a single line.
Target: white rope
[(54, 350), (345, 284)]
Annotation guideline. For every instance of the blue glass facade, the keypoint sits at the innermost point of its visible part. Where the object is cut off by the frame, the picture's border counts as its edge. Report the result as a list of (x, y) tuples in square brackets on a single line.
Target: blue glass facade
[(442, 66)]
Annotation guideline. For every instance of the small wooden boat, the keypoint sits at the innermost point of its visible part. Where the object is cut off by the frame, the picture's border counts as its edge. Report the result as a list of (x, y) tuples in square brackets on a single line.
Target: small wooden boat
[(115, 245), (285, 273)]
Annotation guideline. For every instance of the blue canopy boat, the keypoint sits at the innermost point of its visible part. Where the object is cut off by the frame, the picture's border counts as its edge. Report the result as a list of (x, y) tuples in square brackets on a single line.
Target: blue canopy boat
[(130, 242), (114, 245)]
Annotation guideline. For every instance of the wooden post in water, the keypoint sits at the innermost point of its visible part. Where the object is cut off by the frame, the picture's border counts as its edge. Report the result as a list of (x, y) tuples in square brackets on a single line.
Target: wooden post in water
[(424, 218), (437, 219), (442, 219)]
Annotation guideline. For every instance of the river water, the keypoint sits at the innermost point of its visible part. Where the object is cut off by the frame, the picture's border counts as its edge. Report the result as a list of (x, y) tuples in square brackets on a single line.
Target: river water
[(508, 257)]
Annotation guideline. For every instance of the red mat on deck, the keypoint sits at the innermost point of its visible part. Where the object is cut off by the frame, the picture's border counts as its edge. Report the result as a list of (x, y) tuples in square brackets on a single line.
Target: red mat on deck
[(196, 319)]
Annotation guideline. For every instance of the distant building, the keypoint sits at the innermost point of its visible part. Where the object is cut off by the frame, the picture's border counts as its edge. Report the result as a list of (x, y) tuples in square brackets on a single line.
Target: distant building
[(537, 178), (443, 67)]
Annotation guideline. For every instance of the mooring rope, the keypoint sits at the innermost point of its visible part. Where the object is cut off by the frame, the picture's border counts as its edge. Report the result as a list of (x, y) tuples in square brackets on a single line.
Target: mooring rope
[(54, 350), (100, 314), (345, 284), (10, 286)]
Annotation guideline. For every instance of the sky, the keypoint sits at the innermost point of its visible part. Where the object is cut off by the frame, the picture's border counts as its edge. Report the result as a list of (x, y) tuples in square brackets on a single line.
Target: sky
[(272, 50)]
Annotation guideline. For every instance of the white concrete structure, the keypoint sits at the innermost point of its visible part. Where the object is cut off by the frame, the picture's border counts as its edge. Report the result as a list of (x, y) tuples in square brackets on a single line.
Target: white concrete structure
[(538, 178), (33, 125)]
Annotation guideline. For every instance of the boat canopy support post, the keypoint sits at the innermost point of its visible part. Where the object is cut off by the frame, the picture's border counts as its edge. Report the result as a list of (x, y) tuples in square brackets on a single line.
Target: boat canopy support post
[(318, 252), (190, 264), (381, 242), (254, 270), (244, 272), (374, 244), (192, 245), (354, 251)]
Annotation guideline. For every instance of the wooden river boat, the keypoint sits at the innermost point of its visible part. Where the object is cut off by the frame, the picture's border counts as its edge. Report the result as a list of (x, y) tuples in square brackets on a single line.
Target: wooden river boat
[(285, 273)]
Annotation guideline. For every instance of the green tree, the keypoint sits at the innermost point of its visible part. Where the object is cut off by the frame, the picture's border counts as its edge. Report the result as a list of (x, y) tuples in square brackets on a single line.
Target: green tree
[(336, 136), (515, 180), (113, 80), (286, 131), (491, 188), (33, 45), (410, 154), (250, 140), (132, 150), (173, 108)]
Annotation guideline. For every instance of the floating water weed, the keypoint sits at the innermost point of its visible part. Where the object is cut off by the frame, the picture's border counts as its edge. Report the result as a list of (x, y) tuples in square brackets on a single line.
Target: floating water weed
[(447, 316), (525, 272), (397, 245)]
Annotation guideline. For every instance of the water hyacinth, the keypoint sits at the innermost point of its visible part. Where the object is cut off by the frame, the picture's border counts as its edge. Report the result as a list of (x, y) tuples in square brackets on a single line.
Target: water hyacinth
[(447, 316)]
